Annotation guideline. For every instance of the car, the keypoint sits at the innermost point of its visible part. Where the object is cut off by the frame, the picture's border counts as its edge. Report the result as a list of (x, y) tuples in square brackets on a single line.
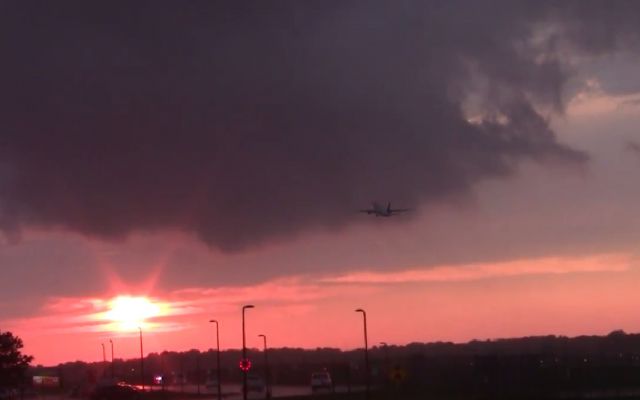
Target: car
[(116, 392), (321, 381)]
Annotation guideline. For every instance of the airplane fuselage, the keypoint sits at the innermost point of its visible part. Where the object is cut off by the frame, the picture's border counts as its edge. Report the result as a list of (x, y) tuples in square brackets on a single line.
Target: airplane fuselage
[(380, 210)]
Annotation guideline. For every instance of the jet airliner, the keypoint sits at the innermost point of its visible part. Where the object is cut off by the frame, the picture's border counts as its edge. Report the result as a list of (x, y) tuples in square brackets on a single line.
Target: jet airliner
[(379, 210)]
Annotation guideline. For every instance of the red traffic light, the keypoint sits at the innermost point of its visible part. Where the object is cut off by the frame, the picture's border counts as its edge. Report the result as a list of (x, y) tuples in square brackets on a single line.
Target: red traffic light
[(245, 364)]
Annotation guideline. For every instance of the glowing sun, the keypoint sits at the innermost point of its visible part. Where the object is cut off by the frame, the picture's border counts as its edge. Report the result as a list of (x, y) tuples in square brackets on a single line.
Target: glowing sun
[(129, 313)]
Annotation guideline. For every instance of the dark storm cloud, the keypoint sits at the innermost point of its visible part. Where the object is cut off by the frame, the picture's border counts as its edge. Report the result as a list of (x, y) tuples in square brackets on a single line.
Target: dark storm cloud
[(245, 121)]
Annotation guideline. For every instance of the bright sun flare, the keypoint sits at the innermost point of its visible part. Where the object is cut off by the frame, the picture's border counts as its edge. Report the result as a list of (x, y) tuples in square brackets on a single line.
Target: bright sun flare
[(128, 313)]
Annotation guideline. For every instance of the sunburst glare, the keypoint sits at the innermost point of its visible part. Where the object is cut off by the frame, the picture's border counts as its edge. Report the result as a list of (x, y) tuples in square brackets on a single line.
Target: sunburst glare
[(127, 313)]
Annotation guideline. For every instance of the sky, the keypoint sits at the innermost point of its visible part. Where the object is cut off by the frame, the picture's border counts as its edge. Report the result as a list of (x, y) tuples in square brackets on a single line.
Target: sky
[(164, 164)]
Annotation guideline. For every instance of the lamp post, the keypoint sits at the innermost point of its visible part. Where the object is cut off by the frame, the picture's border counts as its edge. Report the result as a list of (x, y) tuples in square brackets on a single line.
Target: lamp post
[(385, 346), (218, 358), (104, 360), (141, 360), (113, 368), (366, 352), (267, 393), (162, 373), (198, 374), (182, 373), (244, 354)]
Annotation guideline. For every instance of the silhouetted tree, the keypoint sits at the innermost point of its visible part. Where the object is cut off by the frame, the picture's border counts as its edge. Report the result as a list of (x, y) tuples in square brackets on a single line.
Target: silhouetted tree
[(13, 363)]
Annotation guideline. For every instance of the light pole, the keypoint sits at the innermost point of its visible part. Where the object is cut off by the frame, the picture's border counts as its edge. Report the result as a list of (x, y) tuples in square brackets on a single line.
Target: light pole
[(104, 360), (366, 352), (141, 360), (385, 346), (218, 358), (113, 368), (182, 373), (163, 375), (198, 374), (244, 354), (267, 393)]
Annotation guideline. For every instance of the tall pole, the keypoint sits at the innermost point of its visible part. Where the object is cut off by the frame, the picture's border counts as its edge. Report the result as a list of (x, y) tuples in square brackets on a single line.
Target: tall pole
[(198, 374), (244, 354), (141, 360), (104, 360), (113, 368), (182, 375), (267, 393), (218, 358), (366, 352), (385, 346), (164, 377)]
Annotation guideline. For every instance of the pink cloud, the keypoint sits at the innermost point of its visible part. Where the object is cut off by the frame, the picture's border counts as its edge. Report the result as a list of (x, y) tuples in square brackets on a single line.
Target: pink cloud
[(295, 295), (546, 295), (541, 266)]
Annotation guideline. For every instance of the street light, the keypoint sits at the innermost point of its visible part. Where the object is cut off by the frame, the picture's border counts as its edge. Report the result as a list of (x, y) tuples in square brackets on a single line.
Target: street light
[(112, 365), (244, 354), (267, 393), (104, 360), (141, 360), (218, 357), (385, 346), (366, 351)]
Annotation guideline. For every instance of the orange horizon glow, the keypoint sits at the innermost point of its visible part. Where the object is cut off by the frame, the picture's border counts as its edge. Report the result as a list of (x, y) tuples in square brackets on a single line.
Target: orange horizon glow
[(476, 301)]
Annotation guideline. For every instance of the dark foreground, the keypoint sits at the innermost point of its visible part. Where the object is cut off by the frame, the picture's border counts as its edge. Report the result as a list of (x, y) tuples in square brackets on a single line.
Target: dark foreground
[(409, 394)]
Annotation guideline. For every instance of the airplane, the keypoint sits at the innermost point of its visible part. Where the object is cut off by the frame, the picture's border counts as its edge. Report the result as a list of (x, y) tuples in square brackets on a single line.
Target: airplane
[(380, 211)]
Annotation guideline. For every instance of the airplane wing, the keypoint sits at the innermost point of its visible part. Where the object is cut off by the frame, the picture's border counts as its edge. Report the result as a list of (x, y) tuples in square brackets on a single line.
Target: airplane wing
[(395, 210), (368, 211)]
